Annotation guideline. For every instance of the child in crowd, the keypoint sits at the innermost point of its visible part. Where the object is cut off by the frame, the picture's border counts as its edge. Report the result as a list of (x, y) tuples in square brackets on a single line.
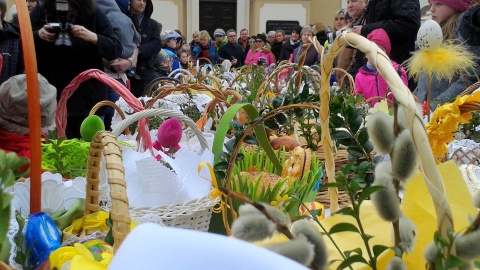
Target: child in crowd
[(183, 59), (368, 81)]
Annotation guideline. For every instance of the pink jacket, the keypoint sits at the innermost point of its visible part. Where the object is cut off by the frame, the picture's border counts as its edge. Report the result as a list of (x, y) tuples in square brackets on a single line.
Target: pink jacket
[(252, 57), (371, 84)]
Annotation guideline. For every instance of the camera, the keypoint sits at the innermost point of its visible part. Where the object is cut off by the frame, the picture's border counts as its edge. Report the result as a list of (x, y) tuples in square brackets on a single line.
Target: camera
[(262, 61), (63, 27)]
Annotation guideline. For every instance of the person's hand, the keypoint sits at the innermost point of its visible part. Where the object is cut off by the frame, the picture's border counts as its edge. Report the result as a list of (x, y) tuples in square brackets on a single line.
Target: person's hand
[(120, 65), (83, 33), (46, 33), (357, 29)]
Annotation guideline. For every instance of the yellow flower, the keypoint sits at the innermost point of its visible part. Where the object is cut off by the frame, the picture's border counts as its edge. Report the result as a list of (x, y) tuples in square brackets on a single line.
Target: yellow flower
[(445, 121), (281, 202), (270, 94)]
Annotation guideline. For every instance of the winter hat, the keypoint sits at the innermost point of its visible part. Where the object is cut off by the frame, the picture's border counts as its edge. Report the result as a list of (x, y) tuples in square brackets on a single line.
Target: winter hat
[(219, 32), (457, 5), (380, 37), (14, 104)]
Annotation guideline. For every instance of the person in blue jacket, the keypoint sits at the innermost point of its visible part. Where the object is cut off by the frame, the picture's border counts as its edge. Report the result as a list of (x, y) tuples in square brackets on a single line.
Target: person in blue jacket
[(171, 41)]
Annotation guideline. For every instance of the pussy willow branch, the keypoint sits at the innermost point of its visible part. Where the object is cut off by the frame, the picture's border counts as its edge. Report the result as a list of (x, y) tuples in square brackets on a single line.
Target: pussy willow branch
[(396, 182), (260, 207)]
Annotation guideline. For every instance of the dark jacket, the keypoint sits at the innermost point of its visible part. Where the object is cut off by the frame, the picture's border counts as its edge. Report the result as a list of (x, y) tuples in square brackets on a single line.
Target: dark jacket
[(287, 49), (400, 19), (247, 45), (277, 49), (61, 64), (230, 51), (311, 58), (149, 47), (11, 50)]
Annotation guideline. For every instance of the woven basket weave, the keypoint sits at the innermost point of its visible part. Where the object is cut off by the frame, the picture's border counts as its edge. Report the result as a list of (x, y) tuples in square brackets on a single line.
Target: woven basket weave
[(104, 144), (194, 214)]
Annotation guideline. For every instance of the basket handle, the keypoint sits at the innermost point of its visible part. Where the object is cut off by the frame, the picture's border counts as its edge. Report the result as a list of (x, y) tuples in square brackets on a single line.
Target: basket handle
[(415, 124), (161, 112), (104, 143), (113, 105), (134, 103)]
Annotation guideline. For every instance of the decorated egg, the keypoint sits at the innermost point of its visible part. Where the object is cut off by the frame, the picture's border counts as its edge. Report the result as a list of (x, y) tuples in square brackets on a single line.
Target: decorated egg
[(429, 36), (101, 251)]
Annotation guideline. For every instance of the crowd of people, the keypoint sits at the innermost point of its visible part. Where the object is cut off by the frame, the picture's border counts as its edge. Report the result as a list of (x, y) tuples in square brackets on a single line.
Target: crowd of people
[(121, 38)]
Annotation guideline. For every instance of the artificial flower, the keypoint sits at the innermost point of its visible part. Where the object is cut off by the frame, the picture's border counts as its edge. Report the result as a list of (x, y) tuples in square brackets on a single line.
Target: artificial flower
[(445, 62), (281, 202), (445, 121)]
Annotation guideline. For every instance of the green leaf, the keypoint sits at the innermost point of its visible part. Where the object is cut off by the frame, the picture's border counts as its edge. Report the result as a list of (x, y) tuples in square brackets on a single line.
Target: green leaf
[(342, 134), (271, 123), (453, 262), (281, 119), (250, 139), (221, 165), (277, 102), (347, 211), (240, 157), (223, 156), (351, 260), (367, 192), (363, 136), (230, 145), (343, 227), (378, 249), (355, 187), (368, 146), (355, 151)]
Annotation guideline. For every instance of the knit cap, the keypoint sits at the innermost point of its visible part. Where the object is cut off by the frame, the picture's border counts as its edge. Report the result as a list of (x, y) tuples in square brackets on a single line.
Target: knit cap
[(380, 37), (14, 104), (219, 32), (457, 5)]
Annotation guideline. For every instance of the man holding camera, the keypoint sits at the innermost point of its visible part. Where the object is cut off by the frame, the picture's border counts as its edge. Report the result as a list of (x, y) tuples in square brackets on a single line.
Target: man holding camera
[(232, 50), (73, 37)]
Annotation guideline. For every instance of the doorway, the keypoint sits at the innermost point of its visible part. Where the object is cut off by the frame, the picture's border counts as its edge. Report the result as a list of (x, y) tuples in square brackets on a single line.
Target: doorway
[(218, 14)]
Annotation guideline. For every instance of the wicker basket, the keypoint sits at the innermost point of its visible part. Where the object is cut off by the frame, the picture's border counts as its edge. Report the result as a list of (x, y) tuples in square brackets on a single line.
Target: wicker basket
[(341, 158), (114, 106), (194, 214), (104, 144)]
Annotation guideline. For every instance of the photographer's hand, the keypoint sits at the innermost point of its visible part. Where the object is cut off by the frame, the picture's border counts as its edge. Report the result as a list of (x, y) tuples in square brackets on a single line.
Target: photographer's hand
[(85, 34), (357, 30), (46, 34), (120, 65)]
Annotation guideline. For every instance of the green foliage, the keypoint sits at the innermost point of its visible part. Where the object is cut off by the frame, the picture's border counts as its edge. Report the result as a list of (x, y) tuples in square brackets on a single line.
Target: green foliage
[(447, 261), (21, 255), (358, 193), (470, 128), (67, 157), (11, 167), (347, 129), (250, 82)]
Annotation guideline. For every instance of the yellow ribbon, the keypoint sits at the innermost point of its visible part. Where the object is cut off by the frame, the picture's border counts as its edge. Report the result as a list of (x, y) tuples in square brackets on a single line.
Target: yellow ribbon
[(216, 193)]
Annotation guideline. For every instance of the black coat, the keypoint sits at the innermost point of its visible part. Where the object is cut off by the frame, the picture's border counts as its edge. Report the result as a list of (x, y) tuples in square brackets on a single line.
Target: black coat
[(149, 46), (11, 50), (287, 50), (400, 19), (277, 49), (61, 64), (230, 51)]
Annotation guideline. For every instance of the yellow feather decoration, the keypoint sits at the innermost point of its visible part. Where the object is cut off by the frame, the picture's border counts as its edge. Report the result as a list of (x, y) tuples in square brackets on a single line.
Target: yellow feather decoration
[(445, 62)]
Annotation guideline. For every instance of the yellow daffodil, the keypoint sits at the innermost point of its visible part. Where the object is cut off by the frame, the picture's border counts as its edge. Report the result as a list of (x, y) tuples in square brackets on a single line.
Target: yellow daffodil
[(445, 121), (281, 202), (270, 94), (81, 257)]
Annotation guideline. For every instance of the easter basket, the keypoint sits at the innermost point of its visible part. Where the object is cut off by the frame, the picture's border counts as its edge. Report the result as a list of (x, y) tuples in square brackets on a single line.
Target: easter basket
[(103, 147), (192, 214)]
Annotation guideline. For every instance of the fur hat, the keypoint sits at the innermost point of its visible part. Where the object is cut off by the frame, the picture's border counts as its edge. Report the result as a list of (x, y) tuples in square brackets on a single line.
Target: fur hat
[(457, 5), (380, 37), (219, 32), (14, 104)]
